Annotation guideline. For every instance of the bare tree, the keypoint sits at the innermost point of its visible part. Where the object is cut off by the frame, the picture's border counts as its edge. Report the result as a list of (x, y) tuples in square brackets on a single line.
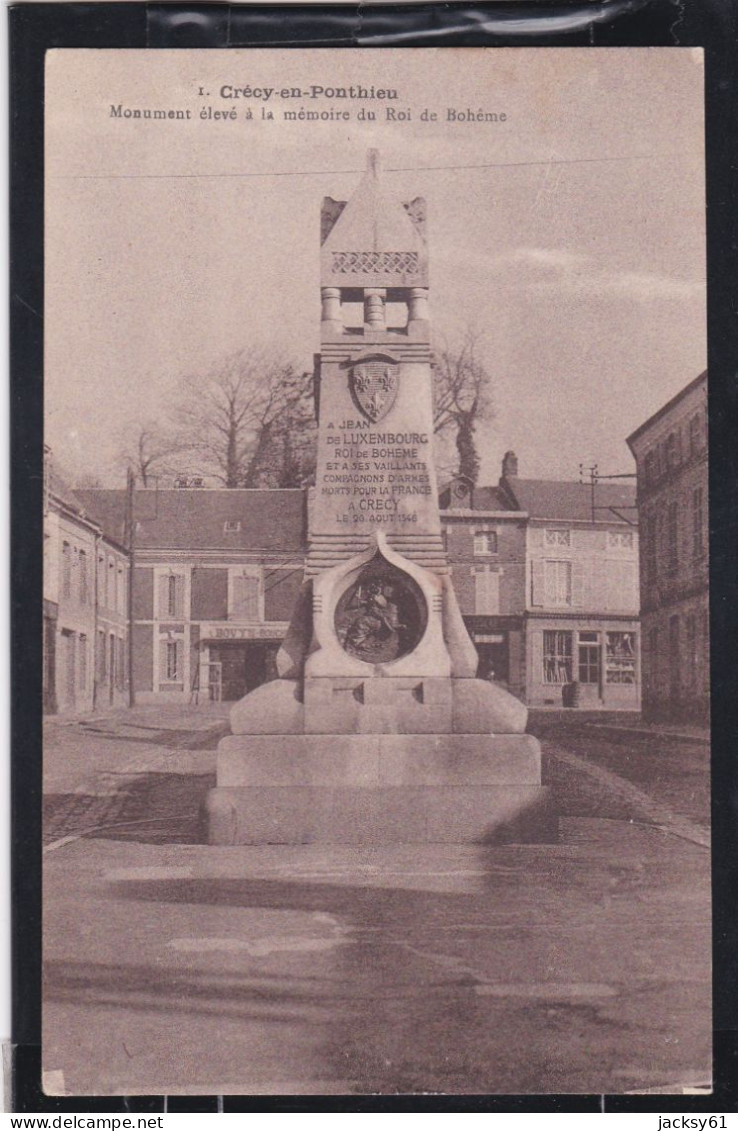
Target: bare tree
[(238, 424), (462, 396), (149, 449)]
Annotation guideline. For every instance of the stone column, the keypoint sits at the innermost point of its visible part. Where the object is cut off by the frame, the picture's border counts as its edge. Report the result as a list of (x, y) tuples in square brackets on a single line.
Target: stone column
[(374, 312), (330, 317), (418, 315)]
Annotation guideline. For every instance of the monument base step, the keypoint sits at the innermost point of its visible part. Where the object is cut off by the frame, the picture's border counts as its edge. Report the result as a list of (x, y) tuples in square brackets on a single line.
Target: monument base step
[(469, 814)]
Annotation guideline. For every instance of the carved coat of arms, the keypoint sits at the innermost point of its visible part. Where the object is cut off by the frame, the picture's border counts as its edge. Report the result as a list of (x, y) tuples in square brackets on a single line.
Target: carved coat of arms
[(374, 387)]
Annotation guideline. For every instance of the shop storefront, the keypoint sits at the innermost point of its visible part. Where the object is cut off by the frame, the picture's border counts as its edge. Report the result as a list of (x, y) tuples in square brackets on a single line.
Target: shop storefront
[(234, 659), (589, 665)]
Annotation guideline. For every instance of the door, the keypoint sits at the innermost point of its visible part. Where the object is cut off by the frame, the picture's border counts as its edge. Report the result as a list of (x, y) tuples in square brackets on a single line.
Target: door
[(589, 669), (494, 663)]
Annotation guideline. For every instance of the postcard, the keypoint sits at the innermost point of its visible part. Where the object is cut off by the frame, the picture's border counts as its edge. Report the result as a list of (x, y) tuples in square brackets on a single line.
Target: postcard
[(375, 669)]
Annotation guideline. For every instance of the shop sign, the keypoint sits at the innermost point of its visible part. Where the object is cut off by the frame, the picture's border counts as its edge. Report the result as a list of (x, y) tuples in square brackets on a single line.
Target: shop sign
[(275, 630)]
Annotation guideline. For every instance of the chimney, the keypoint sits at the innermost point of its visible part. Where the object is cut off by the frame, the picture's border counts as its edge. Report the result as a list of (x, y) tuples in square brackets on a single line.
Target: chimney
[(510, 466)]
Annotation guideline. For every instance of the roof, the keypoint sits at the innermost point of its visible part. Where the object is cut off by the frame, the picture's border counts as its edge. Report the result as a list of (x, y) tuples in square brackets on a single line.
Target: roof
[(490, 499), (187, 519), (666, 408), (572, 502), (473, 498), (374, 240), (60, 490)]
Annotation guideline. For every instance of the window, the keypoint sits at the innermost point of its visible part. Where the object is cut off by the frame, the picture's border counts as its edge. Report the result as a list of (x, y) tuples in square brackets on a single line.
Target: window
[(66, 570), (557, 582), (82, 665), (102, 665), (110, 593), (620, 539), (171, 595), (83, 582), (589, 657), (621, 591), (485, 542), (557, 656), (246, 603), (698, 542), (557, 537), (172, 655), (654, 659), (650, 467), (231, 526), (672, 525), (121, 665), (673, 450), (620, 657), (695, 435)]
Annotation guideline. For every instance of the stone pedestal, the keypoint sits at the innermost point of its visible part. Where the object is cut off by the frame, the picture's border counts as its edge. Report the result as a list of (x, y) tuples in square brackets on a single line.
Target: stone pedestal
[(379, 789)]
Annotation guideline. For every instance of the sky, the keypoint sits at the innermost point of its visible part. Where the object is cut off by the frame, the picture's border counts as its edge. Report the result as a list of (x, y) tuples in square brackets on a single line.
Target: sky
[(569, 236)]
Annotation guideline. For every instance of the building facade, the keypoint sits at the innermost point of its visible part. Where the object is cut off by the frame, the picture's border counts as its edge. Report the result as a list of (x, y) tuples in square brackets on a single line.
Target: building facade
[(581, 621), (670, 449), (216, 574), (85, 605), (485, 541), (547, 582), (548, 591)]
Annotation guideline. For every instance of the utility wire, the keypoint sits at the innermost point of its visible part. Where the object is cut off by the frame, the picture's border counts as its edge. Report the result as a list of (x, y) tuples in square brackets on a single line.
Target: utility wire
[(357, 172)]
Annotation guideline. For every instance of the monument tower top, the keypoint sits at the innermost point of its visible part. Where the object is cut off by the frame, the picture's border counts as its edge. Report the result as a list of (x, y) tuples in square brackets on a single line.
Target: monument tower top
[(373, 247)]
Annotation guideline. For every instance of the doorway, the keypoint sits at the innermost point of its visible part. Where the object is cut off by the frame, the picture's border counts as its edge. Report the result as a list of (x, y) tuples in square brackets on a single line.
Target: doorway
[(243, 667), (494, 661)]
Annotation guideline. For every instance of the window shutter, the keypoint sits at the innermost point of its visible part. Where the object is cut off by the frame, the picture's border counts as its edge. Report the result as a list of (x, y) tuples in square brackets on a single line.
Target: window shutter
[(631, 585), (238, 597), (598, 595), (162, 661), (487, 592), (163, 605), (577, 584), (246, 598), (537, 583), (179, 597)]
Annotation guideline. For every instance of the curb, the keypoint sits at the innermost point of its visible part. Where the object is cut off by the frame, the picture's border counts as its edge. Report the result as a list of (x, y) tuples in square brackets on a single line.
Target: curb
[(642, 732)]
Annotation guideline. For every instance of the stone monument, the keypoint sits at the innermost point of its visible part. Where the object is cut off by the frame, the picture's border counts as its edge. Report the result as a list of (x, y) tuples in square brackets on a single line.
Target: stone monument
[(377, 730)]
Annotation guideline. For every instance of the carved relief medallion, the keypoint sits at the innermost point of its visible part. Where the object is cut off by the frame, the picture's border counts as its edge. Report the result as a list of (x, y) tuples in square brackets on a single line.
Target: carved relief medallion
[(382, 616), (374, 386)]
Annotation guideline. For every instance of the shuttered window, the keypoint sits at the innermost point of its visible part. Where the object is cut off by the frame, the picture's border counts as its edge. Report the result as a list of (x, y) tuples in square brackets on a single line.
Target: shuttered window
[(171, 654), (558, 582), (82, 665), (66, 570), (245, 598), (83, 580), (486, 592), (621, 585), (171, 596)]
